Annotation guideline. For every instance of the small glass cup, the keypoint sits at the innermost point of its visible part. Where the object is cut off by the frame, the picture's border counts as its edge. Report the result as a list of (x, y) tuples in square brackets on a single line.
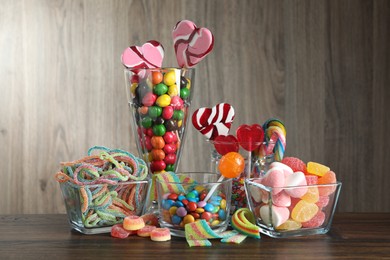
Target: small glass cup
[(94, 209), (186, 204), (292, 211), (256, 165)]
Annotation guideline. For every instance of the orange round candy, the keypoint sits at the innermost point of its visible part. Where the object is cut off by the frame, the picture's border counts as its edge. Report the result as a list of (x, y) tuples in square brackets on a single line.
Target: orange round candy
[(157, 77), (231, 165)]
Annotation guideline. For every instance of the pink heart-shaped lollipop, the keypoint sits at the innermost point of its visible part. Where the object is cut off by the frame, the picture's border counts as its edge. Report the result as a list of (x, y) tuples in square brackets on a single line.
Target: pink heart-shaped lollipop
[(212, 122), (250, 137), (225, 144), (149, 55), (191, 43)]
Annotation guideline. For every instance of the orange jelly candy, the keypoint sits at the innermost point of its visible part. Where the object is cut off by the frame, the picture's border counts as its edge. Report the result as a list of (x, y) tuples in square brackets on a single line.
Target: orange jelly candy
[(317, 168), (327, 178), (304, 211)]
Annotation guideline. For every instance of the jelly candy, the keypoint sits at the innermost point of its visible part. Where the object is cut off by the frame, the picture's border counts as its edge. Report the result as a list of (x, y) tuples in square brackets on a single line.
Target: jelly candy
[(327, 178), (312, 195), (317, 168), (316, 221), (304, 211), (290, 224), (295, 164)]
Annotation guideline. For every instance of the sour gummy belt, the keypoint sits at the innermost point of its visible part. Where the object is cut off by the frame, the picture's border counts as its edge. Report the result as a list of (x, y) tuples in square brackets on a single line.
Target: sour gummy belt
[(108, 186)]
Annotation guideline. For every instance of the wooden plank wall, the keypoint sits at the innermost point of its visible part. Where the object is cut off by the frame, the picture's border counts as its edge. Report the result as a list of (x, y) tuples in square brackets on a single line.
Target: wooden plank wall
[(320, 66)]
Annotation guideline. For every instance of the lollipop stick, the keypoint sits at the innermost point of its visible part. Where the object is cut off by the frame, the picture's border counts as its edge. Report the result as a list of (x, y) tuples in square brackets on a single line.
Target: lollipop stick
[(248, 170), (212, 190)]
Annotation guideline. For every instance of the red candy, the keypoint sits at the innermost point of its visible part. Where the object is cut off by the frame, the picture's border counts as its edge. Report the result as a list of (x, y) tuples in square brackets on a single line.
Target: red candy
[(170, 137), (170, 158), (295, 164), (250, 137), (119, 232), (225, 144), (316, 221)]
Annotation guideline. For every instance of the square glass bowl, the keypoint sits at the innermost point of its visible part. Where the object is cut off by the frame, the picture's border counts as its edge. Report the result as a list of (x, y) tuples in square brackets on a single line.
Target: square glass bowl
[(292, 211), (185, 199), (94, 209)]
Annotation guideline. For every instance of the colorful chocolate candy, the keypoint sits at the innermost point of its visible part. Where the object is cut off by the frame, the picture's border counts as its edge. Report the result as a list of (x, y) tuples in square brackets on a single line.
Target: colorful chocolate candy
[(179, 209), (160, 102)]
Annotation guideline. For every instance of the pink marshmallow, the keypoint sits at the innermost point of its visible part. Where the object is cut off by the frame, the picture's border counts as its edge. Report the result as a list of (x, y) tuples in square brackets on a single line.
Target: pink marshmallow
[(279, 215), (274, 178), (282, 199), (285, 168), (296, 179)]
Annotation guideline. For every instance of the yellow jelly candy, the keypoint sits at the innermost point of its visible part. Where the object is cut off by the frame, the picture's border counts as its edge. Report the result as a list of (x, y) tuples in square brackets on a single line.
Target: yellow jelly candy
[(304, 211), (290, 224), (312, 195), (317, 168)]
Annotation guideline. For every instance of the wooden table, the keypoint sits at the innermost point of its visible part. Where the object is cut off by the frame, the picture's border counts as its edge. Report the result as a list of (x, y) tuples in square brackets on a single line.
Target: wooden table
[(353, 236)]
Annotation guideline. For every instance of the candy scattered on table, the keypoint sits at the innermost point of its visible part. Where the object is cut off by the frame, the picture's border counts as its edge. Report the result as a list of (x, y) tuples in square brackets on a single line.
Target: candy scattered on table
[(298, 197), (244, 222), (100, 183)]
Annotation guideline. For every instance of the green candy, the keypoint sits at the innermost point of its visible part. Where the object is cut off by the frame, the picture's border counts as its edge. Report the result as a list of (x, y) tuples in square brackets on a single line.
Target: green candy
[(170, 167), (160, 89), (178, 114), (154, 111), (147, 122), (159, 130), (184, 93)]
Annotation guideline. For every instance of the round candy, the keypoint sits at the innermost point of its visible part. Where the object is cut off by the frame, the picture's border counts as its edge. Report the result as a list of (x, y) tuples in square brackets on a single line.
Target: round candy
[(184, 93), (170, 137), (170, 78), (160, 89), (149, 99), (231, 165), (167, 112), (154, 111), (159, 130), (157, 142), (157, 77), (163, 100), (173, 90), (147, 122)]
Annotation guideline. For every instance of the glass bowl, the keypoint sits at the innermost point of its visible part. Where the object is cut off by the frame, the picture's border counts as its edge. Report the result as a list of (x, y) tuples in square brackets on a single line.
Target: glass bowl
[(292, 211)]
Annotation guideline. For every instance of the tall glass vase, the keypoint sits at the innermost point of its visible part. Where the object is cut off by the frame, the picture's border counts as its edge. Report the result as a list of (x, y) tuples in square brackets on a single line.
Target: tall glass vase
[(159, 101)]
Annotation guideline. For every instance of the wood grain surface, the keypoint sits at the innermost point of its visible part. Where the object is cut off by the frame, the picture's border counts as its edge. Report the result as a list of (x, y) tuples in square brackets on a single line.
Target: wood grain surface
[(352, 236), (322, 67)]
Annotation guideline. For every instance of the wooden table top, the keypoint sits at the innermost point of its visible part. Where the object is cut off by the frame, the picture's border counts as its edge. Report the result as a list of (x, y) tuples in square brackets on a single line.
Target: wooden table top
[(352, 236)]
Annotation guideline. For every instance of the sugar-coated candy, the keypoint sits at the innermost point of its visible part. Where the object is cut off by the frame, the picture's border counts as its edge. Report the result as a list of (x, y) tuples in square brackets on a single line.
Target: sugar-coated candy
[(290, 224), (133, 223), (296, 179), (274, 178), (118, 231), (328, 178), (297, 165), (304, 211), (145, 231), (317, 168), (315, 221), (282, 199), (312, 195), (244, 222), (160, 234)]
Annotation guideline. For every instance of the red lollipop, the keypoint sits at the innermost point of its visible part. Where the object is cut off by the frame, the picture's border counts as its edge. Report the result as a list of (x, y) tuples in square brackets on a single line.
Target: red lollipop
[(250, 137), (226, 143)]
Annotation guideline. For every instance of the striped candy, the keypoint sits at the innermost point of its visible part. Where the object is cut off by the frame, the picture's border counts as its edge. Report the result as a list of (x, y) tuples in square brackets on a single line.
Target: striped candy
[(215, 121), (191, 43), (149, 55)]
